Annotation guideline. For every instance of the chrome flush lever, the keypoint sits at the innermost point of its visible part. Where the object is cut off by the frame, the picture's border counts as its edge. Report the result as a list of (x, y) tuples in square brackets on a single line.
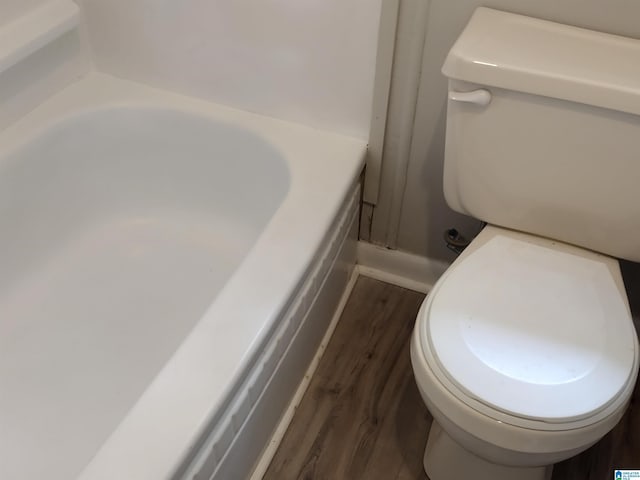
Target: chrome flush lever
[(478, 97)]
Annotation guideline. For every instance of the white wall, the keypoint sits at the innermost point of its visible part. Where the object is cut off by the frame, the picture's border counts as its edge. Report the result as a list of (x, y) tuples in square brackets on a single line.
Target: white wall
[(422, 214), (310, 61)]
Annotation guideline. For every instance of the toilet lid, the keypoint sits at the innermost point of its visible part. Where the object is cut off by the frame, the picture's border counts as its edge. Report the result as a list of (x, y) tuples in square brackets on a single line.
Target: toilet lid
[(537, 330)]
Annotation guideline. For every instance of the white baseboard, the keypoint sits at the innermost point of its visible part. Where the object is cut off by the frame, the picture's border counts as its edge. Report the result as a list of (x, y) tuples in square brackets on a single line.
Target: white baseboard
[(399, 268), (278, 434)]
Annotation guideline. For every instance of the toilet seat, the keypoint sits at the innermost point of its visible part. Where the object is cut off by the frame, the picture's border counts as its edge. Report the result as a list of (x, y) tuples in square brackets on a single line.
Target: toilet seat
[(557, 350)]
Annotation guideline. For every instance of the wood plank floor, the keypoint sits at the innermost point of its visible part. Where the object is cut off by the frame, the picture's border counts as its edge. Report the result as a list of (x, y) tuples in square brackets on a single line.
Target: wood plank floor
[(362, 416)]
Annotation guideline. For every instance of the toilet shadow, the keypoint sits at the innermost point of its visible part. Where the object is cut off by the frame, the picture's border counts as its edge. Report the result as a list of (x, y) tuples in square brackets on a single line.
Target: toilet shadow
[(631, 277), (413, 422)]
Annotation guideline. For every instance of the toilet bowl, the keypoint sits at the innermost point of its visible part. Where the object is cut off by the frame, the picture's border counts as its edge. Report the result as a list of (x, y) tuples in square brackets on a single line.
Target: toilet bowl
[(525, 354)]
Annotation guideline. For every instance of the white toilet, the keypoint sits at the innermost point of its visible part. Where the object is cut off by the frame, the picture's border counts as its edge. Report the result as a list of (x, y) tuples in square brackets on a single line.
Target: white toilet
[(525, 351)]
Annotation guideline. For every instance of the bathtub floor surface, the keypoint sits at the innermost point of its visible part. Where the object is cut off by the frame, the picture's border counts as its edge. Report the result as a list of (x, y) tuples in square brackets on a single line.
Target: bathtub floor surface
[(86, 329), (362, 416)]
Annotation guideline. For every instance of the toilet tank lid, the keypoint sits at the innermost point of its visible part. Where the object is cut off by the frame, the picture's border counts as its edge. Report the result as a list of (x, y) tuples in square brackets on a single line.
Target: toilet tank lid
[(536, 56)]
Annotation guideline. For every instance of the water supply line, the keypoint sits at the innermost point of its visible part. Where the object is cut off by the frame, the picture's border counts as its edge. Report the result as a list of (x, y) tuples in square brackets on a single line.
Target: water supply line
[(455, 242)]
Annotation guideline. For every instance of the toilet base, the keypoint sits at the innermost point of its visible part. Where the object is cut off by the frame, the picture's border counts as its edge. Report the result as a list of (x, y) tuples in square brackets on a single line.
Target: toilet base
[(445, 459)]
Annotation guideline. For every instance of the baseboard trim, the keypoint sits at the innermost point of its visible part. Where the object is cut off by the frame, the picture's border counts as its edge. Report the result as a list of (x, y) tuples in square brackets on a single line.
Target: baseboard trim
[(399, 268)]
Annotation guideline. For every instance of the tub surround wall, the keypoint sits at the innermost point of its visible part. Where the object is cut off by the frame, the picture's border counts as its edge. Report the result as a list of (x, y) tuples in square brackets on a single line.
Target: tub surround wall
[(28, 83), (12, 9), (310, 62), (51, 53)]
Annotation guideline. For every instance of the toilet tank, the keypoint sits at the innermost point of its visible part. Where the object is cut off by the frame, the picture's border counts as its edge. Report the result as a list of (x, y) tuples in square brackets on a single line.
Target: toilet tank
[(553, 145)]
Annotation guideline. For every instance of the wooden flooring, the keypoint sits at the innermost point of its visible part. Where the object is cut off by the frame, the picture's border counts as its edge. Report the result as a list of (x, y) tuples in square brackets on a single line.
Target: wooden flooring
[(362, 416)]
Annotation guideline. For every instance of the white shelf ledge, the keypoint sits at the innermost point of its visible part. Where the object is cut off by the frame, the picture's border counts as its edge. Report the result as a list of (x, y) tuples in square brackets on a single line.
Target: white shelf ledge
[(29, 33)]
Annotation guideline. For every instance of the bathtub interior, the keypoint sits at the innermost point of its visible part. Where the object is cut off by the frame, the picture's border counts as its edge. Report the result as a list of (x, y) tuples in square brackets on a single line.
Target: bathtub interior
[(119, 227)]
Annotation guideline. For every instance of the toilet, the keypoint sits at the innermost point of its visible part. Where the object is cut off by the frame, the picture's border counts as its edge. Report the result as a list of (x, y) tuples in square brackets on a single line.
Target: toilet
[(525, 351)]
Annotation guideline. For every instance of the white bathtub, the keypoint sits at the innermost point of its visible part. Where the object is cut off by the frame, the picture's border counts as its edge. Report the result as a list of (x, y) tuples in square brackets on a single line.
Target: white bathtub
[(160, 258)]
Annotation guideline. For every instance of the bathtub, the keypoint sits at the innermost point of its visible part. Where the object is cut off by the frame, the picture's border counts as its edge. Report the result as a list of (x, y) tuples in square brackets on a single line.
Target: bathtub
[(169, 267)]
